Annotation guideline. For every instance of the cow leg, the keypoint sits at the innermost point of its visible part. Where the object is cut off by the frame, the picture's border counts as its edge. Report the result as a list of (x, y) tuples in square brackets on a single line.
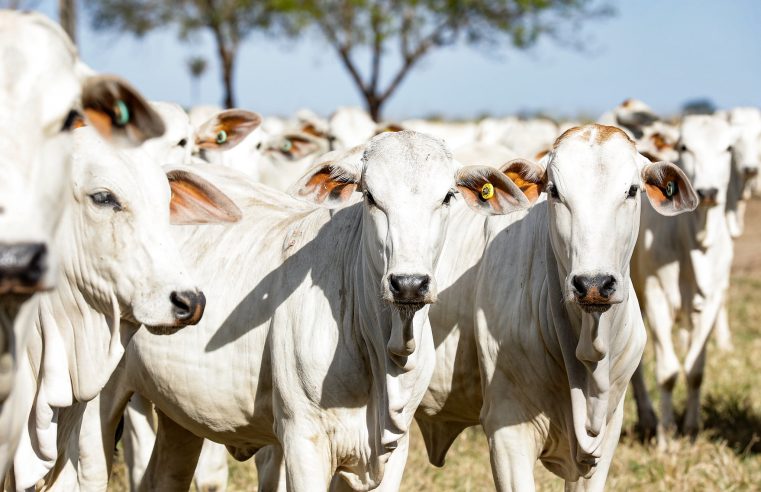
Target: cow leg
[(270, 469), (667, 365), (511, 446), (394, 470), (721, 329), (694, 381), (174, 457), (596, 483), (139, 438), (307, 456), (211, 471), (646, 418)]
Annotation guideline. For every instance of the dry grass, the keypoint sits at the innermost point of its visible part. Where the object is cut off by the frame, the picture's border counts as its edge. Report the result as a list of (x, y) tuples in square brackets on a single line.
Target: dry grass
[(725, 457)]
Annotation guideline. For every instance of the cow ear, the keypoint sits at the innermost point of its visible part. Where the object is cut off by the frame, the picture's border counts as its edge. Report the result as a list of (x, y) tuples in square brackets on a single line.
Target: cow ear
[(227, 129), (118, 112), (527, 176), (328, 183), (488, 191), (668, 188), (295, 146), (197, 201)]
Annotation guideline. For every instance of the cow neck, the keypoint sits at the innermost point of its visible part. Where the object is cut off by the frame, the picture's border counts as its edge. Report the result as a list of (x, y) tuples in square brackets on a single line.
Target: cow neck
[(395, 379), (587, 342), (74, 349), (698, 233), (9, 313)]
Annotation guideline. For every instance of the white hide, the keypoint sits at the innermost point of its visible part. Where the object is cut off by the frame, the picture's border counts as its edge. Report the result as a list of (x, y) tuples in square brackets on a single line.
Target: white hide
[(554, 366), (311, 338), (119, 269), (681, 270)]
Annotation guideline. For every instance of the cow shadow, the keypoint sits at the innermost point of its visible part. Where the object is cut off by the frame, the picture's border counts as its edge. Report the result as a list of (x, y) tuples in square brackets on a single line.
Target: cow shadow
[(731, 419)]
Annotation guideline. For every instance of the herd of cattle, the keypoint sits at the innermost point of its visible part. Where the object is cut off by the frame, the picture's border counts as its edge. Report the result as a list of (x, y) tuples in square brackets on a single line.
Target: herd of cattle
[(344, 278)]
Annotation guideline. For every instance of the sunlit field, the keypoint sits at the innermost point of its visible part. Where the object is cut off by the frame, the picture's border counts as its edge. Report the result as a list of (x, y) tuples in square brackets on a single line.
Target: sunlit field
[(725, 457)]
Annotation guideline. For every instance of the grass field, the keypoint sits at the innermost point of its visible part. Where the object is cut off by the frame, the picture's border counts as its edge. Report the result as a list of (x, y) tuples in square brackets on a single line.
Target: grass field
[(725, 457)]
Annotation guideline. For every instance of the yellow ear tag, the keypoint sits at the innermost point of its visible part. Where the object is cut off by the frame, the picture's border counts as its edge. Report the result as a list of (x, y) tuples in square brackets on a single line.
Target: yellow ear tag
[(487, 191)]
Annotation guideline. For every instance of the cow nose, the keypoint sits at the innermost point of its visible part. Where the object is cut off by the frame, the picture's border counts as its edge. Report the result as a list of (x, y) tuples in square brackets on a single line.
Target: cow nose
[(707, 195), (188, 306), (599, 287), (750, 171), (22, 267), (409, 288)]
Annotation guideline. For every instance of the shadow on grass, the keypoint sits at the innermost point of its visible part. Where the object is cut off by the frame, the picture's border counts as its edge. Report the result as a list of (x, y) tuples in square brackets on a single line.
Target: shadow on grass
[(732, 419)]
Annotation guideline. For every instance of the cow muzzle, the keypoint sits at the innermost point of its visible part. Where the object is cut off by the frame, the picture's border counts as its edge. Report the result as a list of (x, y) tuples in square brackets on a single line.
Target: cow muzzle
[(708, 196), (410, 289), (595, 293), (750, 172), (187, 306), (22, 268)]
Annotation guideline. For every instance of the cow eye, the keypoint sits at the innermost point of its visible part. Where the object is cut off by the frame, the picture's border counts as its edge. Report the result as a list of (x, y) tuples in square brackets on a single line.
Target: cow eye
[(682, 148), (633, 190), (729, 149), (258, 146), (106, 199), (553, 191), (183, 142), (370, 199), (448, 198)]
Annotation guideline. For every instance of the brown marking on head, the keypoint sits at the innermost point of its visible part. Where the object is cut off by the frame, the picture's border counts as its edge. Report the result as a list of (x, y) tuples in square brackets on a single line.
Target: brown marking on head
[(539, 155), (660, 142), (627, 102), (391, 127), (601, 134), (310, 129)]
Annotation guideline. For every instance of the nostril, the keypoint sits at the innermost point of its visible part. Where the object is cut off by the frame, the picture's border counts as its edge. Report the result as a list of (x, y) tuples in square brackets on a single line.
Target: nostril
[(607, 286), (394, 283), (183, 308), (425, 283), (580, 285)]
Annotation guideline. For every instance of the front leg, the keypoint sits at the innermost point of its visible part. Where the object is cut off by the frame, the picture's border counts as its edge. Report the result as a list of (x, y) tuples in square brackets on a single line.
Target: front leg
[(392, 474), (270, 469), (512, 441), (647, 421), (174, 457), (308, 463)]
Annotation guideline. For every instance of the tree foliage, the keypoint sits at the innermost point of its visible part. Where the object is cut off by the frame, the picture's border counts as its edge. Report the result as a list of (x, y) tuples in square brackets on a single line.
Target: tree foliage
[(413, 28), (228, 21)]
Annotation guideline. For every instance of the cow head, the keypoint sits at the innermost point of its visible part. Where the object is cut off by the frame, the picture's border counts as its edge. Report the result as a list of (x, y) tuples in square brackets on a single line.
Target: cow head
[(118, 246), (593, 180), (408, 181), (44, 92), (746, 151)]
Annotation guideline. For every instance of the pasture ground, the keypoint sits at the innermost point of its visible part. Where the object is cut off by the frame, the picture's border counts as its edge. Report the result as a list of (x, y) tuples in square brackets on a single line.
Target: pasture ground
[(725, 457)]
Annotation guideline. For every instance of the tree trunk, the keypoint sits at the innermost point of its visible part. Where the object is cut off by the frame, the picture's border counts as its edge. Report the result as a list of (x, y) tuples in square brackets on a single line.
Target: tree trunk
[(374, 105), (67, 16), (228, 60)]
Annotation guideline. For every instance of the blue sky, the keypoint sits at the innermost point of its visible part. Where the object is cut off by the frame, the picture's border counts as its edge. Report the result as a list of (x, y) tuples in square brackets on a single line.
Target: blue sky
[(664, 52)]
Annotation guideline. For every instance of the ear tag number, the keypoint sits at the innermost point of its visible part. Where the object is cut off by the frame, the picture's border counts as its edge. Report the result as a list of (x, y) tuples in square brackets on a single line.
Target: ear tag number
[(221, 137), (121, 113), (487, 191), (670, 189)]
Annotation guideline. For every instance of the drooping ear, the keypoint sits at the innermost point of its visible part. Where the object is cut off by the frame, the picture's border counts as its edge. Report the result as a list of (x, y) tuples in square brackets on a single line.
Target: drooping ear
[(197, 201), (297, 146), (488, 191), (329, 183), (528, 176), (118, 111), (227, 129), (668, 188)]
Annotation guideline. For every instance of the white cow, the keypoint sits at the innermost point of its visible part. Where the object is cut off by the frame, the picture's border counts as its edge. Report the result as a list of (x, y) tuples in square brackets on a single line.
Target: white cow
[(351, 126), (547, 313), (746, 154), (44, 91), (681, 271), (119, 269), (323, 344)]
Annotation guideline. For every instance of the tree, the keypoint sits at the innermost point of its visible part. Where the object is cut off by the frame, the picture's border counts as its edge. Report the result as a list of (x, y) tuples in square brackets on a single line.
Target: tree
[(699, 106), (228, 21), (414, 28), (67, 16), (196, 67)]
